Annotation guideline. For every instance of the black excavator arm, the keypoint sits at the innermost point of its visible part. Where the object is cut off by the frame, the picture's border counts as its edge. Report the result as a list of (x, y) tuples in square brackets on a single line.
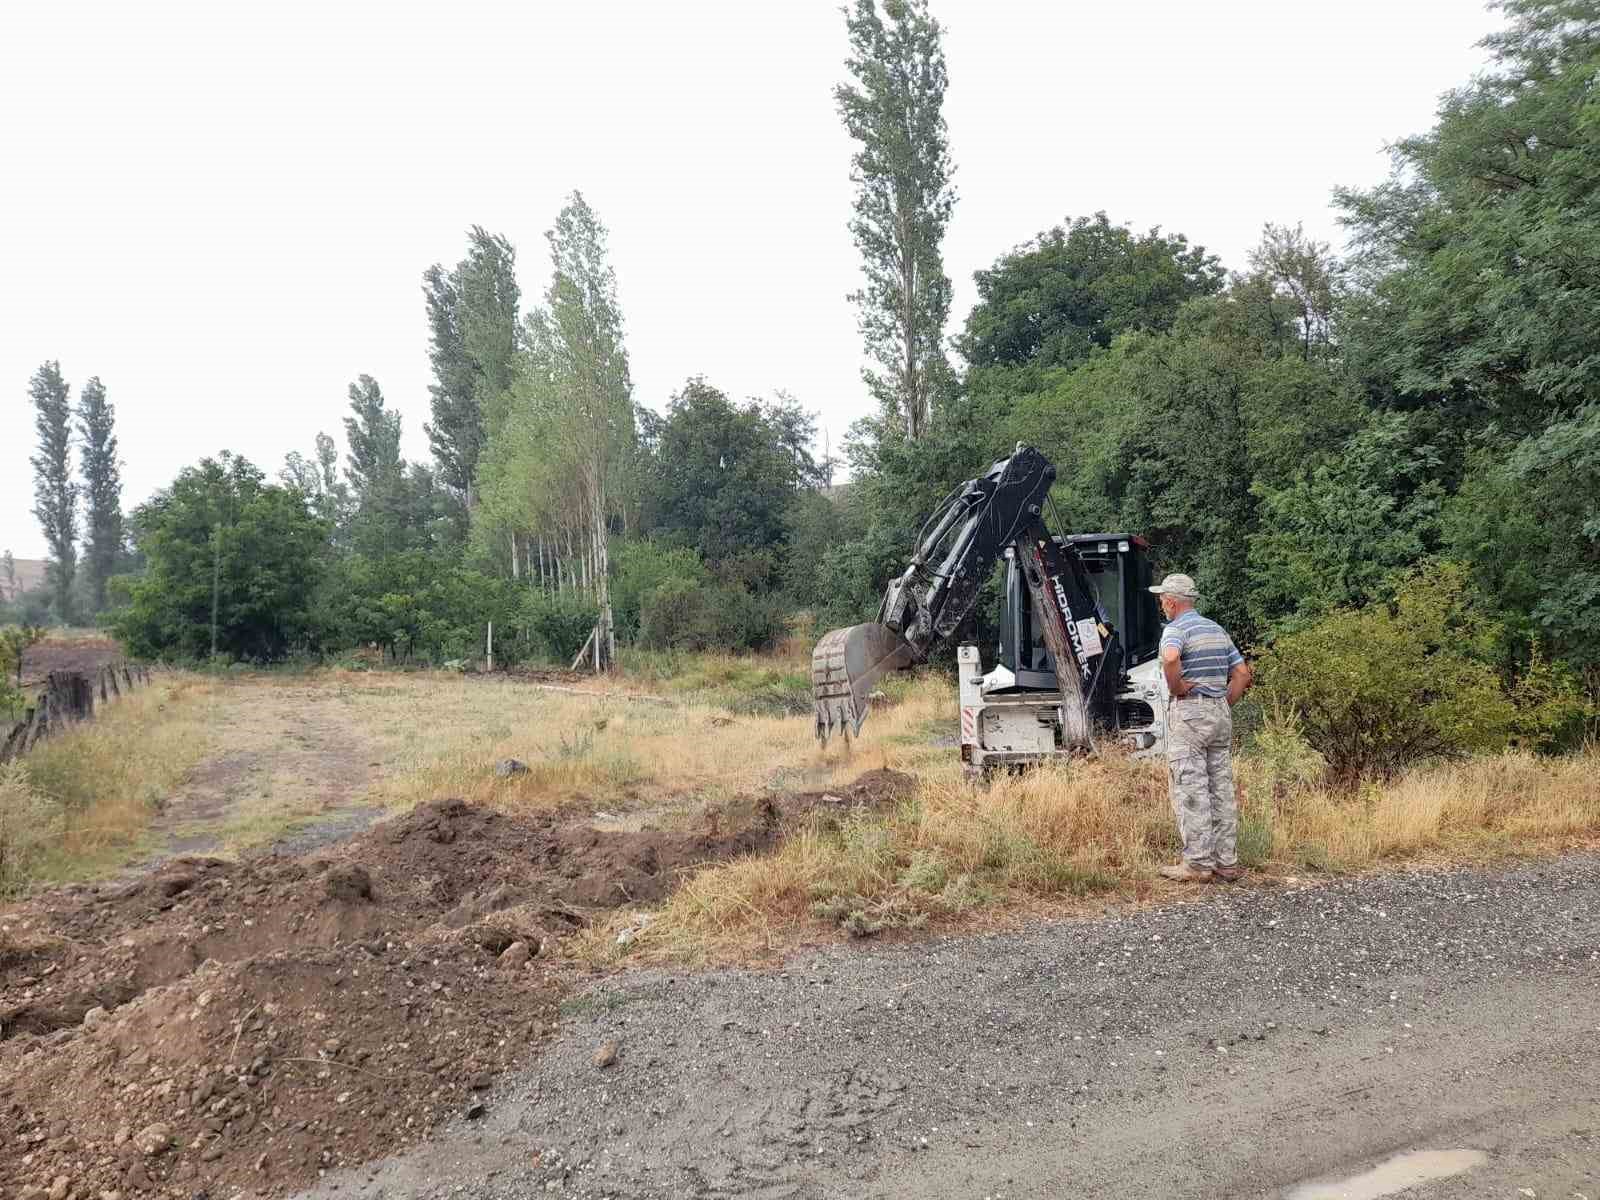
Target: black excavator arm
[(956, 552)]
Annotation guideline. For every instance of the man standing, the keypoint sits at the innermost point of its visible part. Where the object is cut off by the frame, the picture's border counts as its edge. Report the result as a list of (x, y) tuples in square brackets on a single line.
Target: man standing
[(1205, 676)]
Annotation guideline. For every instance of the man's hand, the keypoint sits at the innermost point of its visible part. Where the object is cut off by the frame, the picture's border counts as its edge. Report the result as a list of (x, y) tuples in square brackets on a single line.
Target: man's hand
[(1239, 681)]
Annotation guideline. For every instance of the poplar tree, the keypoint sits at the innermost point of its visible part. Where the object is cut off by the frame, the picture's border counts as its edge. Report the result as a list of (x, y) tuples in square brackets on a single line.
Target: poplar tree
[(473, 337), (55, 495), (376, 473), (102, 487), (581, 394), (894, 110)]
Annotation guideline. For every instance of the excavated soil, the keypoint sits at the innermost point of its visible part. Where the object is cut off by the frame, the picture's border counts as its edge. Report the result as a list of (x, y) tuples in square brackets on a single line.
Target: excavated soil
[(217, 1026)]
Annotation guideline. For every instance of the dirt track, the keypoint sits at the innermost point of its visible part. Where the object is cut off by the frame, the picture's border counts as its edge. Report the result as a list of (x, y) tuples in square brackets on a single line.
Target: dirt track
[(1245, 1045)]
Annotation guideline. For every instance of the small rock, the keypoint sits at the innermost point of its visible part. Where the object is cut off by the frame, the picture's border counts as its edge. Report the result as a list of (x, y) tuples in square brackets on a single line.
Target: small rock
[(606, 1054), (110, 1194), (349, 882), (153, 1139), (212, 1152), (60, 1188), (507, 767), (122, 1134), (95, 1017), (481, 1081), (137, 1177), (515, 954), (475, 1110)]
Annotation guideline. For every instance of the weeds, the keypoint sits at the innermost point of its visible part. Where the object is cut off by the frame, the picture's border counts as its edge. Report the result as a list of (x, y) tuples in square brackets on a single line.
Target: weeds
[(1103, 826)]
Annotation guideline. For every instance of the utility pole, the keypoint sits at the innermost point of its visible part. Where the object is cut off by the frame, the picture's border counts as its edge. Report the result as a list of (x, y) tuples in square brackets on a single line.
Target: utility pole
[(216, 582)]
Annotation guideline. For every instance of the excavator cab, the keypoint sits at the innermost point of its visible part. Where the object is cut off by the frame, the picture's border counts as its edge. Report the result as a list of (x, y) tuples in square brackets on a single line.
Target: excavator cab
[(1119, 570)]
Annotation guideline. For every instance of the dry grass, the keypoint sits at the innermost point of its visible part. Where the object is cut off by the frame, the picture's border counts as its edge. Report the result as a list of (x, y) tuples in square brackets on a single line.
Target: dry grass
[(954, 853), (611, 752), (98, 785)]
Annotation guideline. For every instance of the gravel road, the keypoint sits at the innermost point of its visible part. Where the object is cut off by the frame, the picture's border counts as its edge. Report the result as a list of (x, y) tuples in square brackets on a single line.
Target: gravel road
[(1246, 1042)]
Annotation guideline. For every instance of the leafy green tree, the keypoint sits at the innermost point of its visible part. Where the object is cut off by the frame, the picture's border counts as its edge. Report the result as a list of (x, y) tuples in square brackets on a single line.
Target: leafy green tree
[(814, 522), (1334, 536), (577, 402), (894, 109), (1188, 465), (1302, 272), (473, 338), (1072, 290), (1528, 520), (102, 487), (317, 479), (55, 495), (375, 473), (220, 541), (721, 475), (1480, 256)]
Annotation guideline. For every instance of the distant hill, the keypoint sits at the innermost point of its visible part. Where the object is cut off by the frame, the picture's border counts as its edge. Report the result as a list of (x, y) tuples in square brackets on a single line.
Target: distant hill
[(30, 575)]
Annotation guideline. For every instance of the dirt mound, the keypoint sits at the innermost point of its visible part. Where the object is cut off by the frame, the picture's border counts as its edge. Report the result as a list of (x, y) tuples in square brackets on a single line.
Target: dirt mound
[(260, 1021)]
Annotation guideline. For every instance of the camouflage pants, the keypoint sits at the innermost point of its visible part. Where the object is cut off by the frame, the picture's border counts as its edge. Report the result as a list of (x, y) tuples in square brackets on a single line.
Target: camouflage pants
[(1200, 763)]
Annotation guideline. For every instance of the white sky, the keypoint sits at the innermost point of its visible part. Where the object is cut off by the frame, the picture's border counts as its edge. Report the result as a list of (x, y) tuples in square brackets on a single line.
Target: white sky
[(224, 210)]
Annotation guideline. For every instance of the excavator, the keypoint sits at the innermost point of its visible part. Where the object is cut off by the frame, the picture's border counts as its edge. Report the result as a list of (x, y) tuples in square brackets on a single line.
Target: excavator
[(1078, 629)]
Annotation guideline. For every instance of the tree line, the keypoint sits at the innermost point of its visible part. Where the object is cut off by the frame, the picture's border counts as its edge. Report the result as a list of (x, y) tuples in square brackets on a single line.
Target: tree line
[(1308, 434)]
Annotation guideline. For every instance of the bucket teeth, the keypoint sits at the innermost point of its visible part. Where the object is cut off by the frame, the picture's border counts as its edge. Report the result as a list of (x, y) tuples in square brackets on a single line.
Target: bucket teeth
[(845, 666)]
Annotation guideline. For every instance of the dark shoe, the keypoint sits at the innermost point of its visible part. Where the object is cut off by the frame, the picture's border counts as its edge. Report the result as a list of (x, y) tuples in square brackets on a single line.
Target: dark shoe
[(1228, 874), (1184, 873)]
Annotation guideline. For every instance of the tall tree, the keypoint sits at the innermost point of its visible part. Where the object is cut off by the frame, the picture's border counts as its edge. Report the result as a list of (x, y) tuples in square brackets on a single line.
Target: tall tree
[(222, 543), (720, 476), (1480, 256), (55, 495), (8, 572), (580, 387), (1302, 272), (376, 474), (894, 110), (473, 334), (1068, 293), (102, 487)]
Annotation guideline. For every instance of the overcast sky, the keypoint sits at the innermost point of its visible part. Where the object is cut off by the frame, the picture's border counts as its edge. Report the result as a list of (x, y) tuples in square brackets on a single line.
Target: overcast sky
[(224, 210)]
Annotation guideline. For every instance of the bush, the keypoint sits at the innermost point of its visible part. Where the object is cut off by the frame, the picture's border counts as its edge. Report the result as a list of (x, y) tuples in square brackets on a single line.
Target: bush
[(557, 626), (1552, 711), (1381, 688), (679, 615), (640, 568)]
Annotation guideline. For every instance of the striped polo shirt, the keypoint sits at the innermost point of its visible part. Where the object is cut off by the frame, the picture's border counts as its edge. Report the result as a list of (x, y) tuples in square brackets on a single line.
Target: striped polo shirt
[(1206, 652)]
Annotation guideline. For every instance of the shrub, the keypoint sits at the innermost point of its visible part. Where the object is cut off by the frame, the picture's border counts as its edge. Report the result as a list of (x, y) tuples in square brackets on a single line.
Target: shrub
[(640, 568), (680, 615), (558, 625), (1380, 688), (1552, 713)]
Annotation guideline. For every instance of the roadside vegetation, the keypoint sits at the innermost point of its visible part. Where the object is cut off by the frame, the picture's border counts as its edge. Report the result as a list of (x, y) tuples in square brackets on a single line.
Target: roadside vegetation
[(81, 801), (953, 855)]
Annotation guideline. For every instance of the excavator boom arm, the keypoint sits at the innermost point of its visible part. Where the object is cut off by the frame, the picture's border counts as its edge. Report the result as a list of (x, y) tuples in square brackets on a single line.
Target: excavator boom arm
[(926, 604)]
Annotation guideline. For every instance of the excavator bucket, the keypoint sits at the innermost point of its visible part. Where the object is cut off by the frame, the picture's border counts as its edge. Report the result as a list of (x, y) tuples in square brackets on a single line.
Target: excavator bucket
[(845, 666)]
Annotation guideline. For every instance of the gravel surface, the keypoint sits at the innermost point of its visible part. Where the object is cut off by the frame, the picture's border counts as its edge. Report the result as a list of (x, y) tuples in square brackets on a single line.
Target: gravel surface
[(1239, 1040)]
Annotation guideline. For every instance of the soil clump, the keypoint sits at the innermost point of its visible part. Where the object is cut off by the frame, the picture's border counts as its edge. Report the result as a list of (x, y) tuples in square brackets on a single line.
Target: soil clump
[(218, 1026)]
